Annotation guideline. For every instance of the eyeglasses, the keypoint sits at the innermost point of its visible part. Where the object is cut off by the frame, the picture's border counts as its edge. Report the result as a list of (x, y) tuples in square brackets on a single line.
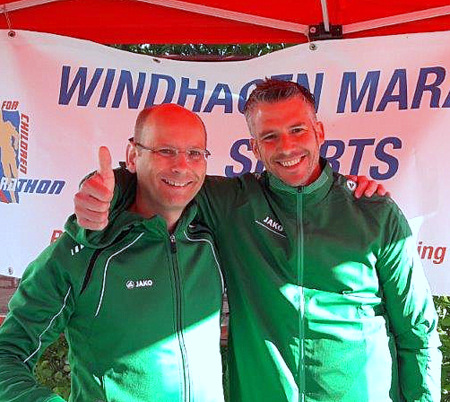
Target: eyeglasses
[(193, 154)]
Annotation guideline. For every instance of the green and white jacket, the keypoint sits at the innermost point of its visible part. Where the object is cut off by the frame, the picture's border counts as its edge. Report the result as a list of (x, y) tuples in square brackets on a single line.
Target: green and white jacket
[(140, 310), (328, 301)]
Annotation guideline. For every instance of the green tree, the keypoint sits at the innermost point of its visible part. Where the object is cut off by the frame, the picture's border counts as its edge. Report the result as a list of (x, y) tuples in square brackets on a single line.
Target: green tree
[(198, 50), (53, 370)]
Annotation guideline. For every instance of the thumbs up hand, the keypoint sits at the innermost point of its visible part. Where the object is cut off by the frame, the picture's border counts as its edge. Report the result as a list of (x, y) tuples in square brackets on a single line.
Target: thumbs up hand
[(93, 199)]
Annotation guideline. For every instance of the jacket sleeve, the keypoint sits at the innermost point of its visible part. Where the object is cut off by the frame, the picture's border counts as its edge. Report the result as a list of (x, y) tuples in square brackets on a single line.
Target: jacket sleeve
[(411, 312), (39, 312), (217, 198)]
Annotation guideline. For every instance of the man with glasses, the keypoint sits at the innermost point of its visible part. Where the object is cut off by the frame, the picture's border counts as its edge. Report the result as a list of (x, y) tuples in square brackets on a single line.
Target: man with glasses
[(140, 304), (327, 298)]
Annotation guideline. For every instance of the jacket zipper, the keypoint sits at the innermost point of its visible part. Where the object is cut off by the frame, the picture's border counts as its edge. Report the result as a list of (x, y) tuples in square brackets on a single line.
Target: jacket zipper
[(301, 324), (179, 323)]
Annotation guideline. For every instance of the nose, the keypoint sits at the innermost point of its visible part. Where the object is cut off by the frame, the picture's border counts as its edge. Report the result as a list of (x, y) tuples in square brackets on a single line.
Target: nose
[(286, 143), (180, 162)]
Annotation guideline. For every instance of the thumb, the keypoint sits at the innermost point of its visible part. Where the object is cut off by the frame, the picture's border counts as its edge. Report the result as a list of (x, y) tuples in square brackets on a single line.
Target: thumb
[(105, 167)]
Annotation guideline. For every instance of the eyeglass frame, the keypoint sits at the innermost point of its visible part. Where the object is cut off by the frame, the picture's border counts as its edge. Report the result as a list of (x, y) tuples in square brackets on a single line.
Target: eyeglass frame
[(204, 152)]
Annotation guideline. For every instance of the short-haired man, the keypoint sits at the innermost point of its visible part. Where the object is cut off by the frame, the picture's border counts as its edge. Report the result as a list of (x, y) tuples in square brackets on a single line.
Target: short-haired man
[(140, 304), (327, 301)]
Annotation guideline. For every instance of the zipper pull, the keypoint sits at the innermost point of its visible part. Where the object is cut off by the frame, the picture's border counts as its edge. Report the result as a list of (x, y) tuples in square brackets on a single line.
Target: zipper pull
[(173, 244)]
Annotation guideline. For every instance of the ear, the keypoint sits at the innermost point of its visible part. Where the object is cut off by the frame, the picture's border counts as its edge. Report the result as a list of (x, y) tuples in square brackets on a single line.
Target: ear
[(255, 148), (131, 158), (320, 132)]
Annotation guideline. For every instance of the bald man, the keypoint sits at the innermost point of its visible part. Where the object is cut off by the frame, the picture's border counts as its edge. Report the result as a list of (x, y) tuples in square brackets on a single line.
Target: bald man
[(140, 304)]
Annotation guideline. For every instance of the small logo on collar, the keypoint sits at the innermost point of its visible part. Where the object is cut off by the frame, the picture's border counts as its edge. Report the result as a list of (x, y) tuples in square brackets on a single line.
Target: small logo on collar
[(351, 185)]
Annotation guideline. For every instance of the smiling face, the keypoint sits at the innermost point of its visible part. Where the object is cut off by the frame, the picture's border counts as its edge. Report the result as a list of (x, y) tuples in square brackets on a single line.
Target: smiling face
[(165, 185), (287, 139)]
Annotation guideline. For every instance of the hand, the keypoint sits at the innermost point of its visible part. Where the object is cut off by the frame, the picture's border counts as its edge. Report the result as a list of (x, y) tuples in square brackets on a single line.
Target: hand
[(93, 199), (367, 187)]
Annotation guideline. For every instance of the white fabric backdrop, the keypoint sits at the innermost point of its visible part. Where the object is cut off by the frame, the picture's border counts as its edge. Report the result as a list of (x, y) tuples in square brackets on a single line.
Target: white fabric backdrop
[(384, 101)]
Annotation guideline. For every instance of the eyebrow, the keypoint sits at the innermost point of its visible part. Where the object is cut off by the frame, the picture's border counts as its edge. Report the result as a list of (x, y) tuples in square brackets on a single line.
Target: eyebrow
[(168, 145), (267, 132), (300, 125), (264, 133)]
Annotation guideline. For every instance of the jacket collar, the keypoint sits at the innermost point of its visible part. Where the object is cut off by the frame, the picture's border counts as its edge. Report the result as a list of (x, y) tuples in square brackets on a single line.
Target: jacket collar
[(157, 225), (312, 193)]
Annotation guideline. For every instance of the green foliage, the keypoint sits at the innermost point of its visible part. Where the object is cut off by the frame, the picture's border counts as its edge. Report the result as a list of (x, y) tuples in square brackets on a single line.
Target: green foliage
[(52, 369), (192, 50), (442, 304), (225, 375)]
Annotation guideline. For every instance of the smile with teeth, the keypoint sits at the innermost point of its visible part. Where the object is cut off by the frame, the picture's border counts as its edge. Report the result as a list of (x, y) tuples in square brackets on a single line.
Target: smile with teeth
[(176, 183), (291, 162)]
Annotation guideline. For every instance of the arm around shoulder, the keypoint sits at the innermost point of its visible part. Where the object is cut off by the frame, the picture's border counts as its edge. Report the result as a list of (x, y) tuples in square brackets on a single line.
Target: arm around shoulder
[(218, 196)]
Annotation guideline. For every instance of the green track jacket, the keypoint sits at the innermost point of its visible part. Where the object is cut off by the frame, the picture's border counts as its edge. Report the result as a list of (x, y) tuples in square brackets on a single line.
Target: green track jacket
[(140, 309), (328, 301)]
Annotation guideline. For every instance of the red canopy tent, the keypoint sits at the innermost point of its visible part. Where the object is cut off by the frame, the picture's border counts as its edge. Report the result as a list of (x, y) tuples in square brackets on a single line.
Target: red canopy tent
[(216, 21), (231, 21)]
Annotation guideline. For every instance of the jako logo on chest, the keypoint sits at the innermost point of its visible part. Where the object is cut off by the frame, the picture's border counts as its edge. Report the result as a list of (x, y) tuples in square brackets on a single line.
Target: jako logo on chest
[(275, 225), (142, 283)]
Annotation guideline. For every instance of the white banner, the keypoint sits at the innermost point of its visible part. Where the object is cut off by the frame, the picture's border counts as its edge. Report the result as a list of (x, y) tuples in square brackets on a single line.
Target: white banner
[(384, 101)]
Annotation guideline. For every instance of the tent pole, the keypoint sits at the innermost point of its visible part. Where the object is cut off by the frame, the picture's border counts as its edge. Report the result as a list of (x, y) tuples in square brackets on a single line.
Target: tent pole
[(19, 5), (396, 19), (231, 15), (326, 19)]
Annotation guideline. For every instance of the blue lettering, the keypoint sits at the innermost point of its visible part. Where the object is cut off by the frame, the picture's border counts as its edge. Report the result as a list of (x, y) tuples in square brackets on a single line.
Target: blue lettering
[(56, 187), (238, 157), (390, 160), (447, 101), (198, 93), (43, 186), (348, 88), (283, 77), (227, 101), (302, 79), (243, 94), (20, 184), (399, 77), (422, 86), (259, 166), (360, 144), (107, 87), (126, 81), (84, 96), (333, 159), (31, 186), (40, 186), (242, 159), (154, 84)]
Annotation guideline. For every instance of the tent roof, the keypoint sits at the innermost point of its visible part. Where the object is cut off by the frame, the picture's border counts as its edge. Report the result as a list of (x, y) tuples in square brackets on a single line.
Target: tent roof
[(218, 21)]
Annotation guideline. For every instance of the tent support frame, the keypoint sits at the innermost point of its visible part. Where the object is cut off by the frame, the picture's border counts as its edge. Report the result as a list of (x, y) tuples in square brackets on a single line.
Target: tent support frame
[(316, 32)]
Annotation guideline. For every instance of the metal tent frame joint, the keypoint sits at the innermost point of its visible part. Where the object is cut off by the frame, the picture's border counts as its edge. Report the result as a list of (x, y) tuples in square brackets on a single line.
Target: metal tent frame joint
[(318, 32)]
